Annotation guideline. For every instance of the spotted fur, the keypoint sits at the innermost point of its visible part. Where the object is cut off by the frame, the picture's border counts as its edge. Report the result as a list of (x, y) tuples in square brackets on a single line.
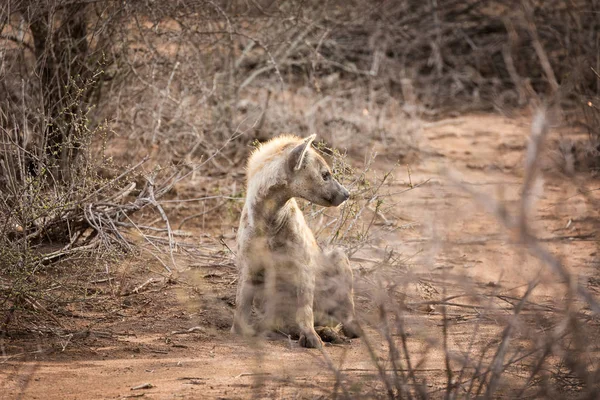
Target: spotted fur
[(277, 255)]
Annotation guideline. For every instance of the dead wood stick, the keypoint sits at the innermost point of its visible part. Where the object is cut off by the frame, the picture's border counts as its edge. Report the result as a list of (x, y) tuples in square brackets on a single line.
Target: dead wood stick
[(191, 330), (121, 195), (37, 306), (539, 49), (252, 374), (143, 386), (139, 288), (125, 173), (151, 198)]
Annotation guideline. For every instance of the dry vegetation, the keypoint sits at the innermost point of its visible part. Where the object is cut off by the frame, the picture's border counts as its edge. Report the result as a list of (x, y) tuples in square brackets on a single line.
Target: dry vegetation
[(124, 128)]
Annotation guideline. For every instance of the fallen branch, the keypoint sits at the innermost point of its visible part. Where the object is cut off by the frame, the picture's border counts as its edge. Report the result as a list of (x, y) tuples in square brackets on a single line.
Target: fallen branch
[(140, 288)]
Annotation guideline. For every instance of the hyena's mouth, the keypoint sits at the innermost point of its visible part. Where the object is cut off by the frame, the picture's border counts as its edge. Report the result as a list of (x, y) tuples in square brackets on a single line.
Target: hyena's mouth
[(338, 199)]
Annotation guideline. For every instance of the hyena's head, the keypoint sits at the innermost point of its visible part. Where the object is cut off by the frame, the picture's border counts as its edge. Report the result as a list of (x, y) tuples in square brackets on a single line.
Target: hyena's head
[(310, 177)]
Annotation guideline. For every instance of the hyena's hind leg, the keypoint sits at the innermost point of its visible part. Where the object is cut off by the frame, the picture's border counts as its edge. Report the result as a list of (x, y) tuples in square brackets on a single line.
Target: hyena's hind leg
[(334, 298)]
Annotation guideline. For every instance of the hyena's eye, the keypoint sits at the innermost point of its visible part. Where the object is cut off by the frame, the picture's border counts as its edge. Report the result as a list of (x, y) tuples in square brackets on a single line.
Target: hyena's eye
[(326, 175)]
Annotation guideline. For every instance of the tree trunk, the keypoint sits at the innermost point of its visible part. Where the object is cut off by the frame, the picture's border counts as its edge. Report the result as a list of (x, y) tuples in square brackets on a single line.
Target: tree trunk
[(61, 47)]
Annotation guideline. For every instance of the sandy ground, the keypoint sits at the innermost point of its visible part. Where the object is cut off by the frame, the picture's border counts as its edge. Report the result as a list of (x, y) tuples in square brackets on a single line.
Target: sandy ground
[(446, 238)]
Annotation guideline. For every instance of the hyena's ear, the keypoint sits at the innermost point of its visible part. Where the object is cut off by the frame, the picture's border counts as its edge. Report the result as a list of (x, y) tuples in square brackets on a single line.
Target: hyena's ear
[(298, 155)]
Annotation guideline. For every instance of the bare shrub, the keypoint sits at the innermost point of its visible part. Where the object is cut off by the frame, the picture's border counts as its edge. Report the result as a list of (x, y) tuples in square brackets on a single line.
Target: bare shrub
[(56, 211)]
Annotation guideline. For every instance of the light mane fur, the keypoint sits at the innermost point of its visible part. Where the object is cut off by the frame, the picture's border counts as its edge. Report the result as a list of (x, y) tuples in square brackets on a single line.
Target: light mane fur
[(267, 166)]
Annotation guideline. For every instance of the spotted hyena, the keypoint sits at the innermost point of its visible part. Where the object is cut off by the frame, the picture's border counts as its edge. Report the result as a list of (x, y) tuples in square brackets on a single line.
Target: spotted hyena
[(278, 257)]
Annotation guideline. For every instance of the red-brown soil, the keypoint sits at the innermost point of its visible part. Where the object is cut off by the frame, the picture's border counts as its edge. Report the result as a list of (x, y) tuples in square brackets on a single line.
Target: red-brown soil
[(175, 335)]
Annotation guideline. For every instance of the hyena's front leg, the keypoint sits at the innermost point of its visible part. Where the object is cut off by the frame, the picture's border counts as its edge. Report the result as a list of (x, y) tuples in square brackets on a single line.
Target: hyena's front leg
[(243, 310), (304, 313)]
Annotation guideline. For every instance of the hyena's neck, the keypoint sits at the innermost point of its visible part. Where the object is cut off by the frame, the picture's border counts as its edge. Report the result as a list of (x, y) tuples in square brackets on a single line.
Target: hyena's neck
[(271, 212)]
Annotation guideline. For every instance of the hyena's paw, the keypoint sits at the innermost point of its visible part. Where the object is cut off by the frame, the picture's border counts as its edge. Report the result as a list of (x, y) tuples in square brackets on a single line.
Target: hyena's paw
[(242, 329), (351, 329), (330, 335), (310, 340)]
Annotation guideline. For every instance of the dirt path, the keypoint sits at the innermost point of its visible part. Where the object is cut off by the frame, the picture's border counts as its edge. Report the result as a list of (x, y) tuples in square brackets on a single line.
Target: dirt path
[(446, 238)]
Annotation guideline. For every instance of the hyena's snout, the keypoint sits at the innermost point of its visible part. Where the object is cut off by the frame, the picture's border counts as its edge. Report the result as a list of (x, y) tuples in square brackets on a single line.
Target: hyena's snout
[(339, 195)]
